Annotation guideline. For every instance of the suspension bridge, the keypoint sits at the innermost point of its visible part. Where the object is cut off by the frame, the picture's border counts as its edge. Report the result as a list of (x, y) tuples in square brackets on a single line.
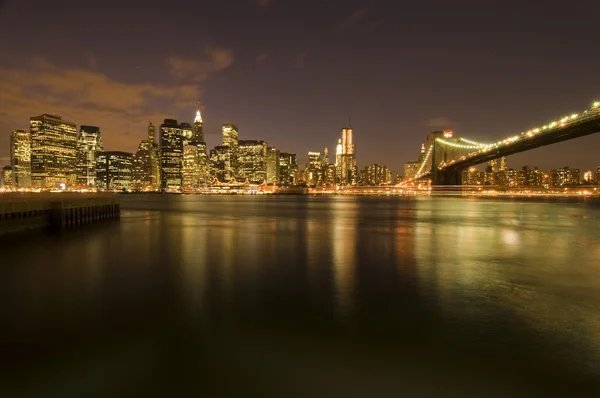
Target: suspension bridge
[(446, 157)]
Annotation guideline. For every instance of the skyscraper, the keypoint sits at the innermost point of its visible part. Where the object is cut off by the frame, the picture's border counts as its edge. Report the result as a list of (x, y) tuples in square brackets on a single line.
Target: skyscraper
[(273, 166), (88, 144), (196, 170), (7, 177), (230, 139), (338, 161), (198, 129), (220, 163), (348, 158), (20, 158), (288, 166), (187, 132), (503, 166), (146, 164), (53, 151), (114, 170), (252, 160), (171, 151)]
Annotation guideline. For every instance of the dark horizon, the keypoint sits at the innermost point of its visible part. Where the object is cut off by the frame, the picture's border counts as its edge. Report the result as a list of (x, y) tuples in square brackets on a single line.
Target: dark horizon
[(291, 73)]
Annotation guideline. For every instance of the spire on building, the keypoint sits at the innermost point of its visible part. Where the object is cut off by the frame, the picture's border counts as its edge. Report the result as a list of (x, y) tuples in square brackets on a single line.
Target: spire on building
[(422, 148), (198, 118)]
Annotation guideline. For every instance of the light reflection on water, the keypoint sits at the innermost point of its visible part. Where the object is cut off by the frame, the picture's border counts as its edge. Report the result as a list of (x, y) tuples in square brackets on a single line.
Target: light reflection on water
[(478, 296)]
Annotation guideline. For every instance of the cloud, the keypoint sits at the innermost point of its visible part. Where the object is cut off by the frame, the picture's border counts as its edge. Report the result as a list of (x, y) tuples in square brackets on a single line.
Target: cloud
[(84, 96), (198, 69), (441, 122), (352, 19)]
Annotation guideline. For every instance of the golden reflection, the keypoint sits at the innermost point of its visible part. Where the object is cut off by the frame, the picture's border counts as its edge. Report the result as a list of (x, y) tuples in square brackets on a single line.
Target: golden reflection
[(344, 255), (193, 258)]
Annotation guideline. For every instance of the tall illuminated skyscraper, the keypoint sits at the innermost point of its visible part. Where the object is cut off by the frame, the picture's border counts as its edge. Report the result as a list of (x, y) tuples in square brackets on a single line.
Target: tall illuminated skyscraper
[(198, 129), (20, 158), (53, 151), (348, 158), (171, 150), (288, 166), (146, 164), (196, 169), (273, 165), (230, 139), (252, 160), (88, 145), (151, 133)]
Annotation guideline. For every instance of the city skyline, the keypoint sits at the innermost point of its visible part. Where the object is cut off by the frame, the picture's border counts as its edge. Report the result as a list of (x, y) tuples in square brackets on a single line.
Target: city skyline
[(296, 90)]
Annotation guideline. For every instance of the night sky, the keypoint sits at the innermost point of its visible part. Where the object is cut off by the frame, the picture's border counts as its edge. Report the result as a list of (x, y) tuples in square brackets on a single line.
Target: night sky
[(291, 71)]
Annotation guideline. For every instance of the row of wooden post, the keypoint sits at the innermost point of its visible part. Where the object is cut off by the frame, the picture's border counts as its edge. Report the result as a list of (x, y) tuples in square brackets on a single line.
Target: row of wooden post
[(76, 216)]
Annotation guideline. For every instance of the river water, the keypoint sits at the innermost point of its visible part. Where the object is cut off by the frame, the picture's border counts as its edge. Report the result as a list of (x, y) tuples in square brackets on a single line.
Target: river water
[(300, 296)]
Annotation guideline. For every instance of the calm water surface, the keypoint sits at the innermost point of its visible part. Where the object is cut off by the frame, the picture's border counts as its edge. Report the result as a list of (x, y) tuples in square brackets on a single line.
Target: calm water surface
[(307, 297)]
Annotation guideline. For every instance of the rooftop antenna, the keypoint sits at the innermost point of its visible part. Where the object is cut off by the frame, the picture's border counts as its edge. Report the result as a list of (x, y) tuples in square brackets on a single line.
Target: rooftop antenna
[(349, 120)]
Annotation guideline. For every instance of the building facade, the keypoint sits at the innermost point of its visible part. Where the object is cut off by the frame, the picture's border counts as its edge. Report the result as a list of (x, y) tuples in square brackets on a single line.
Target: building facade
[(375, 174), (7, 177), (53, 151), (273, 155), (114, 170), (220, 163), (171, 155), (288, 167), (252, 160), (347, 160), (198, 136), (230, 139), (89, 144), (20, 158), (147, 165)]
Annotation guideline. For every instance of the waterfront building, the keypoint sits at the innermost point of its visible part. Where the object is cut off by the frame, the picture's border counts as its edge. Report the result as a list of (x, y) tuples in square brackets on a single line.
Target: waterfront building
[(146, 164), (252, 160), (194, 165), (288, 167), (171, 155), (329, 175), (348, 168), (7, 177), (20, 158), (114, 170), (564, 176), (374, 175), (313, 175), (588, 177), (473, 177), (229, 133), (220, 163), (89, 144), (53, 151), (273, 156)]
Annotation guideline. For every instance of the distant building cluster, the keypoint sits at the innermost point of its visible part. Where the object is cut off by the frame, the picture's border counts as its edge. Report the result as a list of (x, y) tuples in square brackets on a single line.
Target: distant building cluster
[(173, 157), (498, 174)]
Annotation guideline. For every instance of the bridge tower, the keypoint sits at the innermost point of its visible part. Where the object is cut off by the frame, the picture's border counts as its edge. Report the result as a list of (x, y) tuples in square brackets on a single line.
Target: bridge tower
[(443, 154)]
